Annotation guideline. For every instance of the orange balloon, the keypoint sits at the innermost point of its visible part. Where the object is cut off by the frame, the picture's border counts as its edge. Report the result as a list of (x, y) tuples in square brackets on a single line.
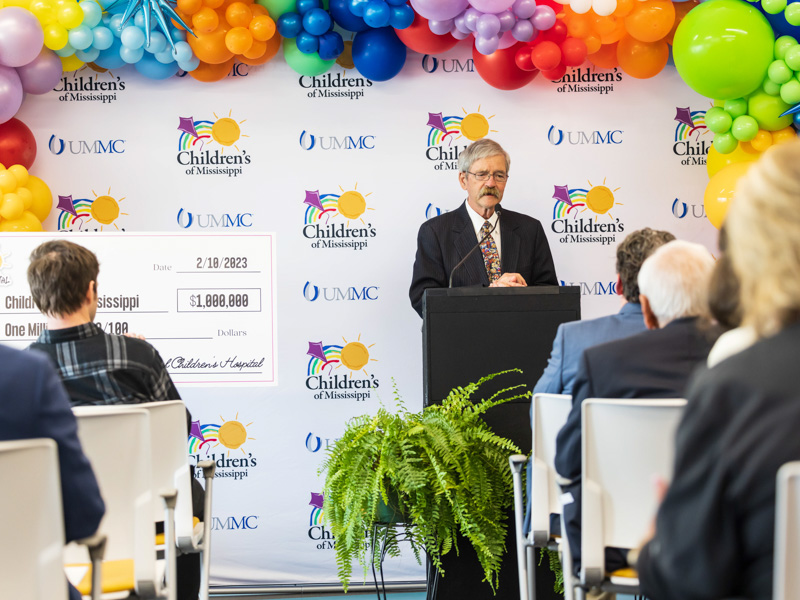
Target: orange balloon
[(624, 7), (273, 45), (593, 44), (681, 10), (238, 14), (205, 20), (213, 3), (784, 135), (642, 59), (207, 72), (256, 50), (606, 57), (578, 25), (210, 47), (650, 20), (238, 40), (262, 28), (189, 7), (259, 10), (604, 25), (615, 34)]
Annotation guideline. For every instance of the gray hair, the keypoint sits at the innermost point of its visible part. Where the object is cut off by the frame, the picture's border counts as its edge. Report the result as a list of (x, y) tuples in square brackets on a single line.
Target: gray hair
[(481, 149), (675, 280)]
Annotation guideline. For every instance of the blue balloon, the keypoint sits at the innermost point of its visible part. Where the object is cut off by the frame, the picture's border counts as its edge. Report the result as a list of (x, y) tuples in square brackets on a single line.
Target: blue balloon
[(80, 37), (307, 43), (103, 38), (779, 24), (378, 54), (87, 55), (357, 7), (331, 45), (152, 68), (65, 51), (110, 58), (289, 24), (398, 3), (796, 119), (340, 11), (316, 21), (402, 17), (377, 13), (303, 6)]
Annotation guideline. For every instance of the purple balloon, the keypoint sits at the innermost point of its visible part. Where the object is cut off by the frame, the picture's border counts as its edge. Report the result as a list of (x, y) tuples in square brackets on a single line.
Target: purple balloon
[(486, 45), (524, 9), (543, 18), (21, 36), (439, 10), (10, 93), (471, 17), (441, 27), (461, 25), (488, 26), (492, 6), (507, 20), (506, 41), (42, 74), (523, 30), (459, 35)]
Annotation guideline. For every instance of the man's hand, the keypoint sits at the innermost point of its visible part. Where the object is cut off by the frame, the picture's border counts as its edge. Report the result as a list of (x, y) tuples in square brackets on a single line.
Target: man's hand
[(138, 336), (510, 280)]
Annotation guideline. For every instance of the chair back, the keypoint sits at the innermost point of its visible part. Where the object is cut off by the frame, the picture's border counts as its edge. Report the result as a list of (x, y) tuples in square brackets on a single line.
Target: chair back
[(549, 412), (31, 566), (116, 439), (625, 444), (786, 577)]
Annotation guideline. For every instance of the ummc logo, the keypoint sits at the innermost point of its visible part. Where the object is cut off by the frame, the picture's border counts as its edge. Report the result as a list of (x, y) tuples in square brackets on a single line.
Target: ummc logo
[(309, 141), (556, 137), (314, 443), (231, 523), (334, 294), (58, 146), (433, 211), (681, 209), (204, 221), (449, 65), (596, 288)]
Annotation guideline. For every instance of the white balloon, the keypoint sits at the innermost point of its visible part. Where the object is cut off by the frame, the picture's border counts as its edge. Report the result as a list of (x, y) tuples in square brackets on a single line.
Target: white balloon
[(604, 7), (581, 6)]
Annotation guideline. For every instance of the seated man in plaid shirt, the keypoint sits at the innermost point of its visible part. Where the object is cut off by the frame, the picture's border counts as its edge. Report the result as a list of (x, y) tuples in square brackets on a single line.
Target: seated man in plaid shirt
[(96, 367)]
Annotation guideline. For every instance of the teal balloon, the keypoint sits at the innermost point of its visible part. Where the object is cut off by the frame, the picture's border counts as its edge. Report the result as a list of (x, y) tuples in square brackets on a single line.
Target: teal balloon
[(309, 65), (723, 49)]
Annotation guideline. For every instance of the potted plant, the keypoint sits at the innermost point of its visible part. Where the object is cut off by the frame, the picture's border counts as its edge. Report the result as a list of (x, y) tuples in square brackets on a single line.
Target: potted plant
[(442, 468)]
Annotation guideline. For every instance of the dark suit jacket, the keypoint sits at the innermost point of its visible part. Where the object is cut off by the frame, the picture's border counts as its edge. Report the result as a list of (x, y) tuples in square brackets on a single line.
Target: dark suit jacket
[(444, 240), (715, 528), (653, 364), (35, 405)]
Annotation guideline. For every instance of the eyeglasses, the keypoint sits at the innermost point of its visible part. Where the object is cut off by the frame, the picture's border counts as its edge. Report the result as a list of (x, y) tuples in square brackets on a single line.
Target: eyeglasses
[(499, 176)]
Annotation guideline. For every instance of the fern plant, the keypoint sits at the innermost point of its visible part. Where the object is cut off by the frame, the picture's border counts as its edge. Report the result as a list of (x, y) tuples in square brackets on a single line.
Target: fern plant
[(443, 468)]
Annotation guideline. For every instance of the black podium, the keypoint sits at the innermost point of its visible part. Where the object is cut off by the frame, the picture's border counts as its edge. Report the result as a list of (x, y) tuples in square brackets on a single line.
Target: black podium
[(470, 332)]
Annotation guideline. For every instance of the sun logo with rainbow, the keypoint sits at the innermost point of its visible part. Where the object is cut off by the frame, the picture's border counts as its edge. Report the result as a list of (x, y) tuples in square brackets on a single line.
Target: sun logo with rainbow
[(574, 201), (317, 512), (231, 435), (350, 204), (690, 122), (354, 356), (473, 126), (225, 131), (4, 266), (103, 210)]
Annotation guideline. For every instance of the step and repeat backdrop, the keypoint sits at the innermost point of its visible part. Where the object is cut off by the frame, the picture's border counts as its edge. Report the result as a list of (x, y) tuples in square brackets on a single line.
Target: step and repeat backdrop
[(337, 172)]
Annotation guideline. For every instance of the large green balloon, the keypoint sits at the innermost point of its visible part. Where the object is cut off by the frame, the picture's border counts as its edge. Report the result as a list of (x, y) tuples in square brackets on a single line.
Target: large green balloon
[(723, 48), (310, 65), (767, 109)]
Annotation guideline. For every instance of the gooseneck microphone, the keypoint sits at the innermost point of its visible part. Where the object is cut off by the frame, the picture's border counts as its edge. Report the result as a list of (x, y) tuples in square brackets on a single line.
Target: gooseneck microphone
[(475, 247)]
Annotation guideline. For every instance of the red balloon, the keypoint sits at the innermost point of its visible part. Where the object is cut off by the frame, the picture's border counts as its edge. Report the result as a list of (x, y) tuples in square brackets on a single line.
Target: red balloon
[(523, 59), (17, 144), (557, 34), (555, 74), (546, 56), (573, 51), (419, 37), (499, 69)]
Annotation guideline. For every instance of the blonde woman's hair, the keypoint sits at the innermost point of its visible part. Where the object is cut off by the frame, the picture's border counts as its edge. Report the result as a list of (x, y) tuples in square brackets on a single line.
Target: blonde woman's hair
[(763, 227)]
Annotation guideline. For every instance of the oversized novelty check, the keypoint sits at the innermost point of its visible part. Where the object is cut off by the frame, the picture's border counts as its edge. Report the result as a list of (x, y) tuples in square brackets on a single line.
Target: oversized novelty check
[(206, 302)]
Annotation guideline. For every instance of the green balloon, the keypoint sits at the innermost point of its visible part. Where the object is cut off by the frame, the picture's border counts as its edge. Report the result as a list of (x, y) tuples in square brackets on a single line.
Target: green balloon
[(736, 107), (779, 72), (725, 143), (767, 109), (309, 65), (782, 45), (792, 58), (744, 128), (722, 49), (792, 14), (790, 92), (770, 87), (717, 120), (773, 7), (277, 7)]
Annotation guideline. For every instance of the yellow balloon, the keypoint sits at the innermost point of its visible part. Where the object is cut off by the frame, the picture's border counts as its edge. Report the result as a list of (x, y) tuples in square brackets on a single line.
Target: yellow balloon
[(720, 191), (11, 207), (21, 3), (26, 196), (784, 135), (20, 172), (8, 182), (716, 161), (27, 222), (55, 36), (42, 197), (71, 63)]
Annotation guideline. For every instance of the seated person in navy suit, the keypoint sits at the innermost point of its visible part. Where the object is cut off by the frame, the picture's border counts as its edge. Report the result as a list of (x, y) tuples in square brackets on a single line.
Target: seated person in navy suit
[(514, 253), (35, 405), (673, 289)]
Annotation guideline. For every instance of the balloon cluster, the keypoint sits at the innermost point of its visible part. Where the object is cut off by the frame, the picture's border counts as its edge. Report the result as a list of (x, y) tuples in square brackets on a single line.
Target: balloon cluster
[(783, 71), (312, 29), (754, 123), (25, 200), (25, 66), (552, 52), (358, 15)]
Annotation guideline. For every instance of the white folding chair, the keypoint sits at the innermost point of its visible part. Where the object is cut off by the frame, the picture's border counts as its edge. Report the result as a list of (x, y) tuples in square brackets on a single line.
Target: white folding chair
[(549, 412), (117, 442), (625, 444), (786, 578), (170, 469)]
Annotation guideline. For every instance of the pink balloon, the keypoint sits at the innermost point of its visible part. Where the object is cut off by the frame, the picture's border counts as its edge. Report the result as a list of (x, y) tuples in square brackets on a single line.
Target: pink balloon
[(492, 6), (42, 74), (10, 93), (21, 36), (439, 10)]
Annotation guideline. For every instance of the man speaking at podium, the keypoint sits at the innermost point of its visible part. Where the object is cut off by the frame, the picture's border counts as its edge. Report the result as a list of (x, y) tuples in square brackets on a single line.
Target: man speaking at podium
[(480, 243)]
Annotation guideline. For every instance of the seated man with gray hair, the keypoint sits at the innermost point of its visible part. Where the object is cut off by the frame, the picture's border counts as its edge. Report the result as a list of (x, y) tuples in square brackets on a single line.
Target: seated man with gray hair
[(673, 290)]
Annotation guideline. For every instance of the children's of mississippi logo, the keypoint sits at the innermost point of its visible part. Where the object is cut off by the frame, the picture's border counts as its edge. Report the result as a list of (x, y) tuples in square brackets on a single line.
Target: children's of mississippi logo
[(325, 374), (231, 435), (576, 227), (337, 85), (445, 131), (316, 523), (589, 80), (337, 220), (96, 214), (90, 83), (212, 147), (690, 129)]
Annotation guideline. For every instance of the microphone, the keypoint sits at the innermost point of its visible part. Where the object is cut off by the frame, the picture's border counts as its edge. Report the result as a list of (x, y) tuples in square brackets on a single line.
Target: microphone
[(475, 247)]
